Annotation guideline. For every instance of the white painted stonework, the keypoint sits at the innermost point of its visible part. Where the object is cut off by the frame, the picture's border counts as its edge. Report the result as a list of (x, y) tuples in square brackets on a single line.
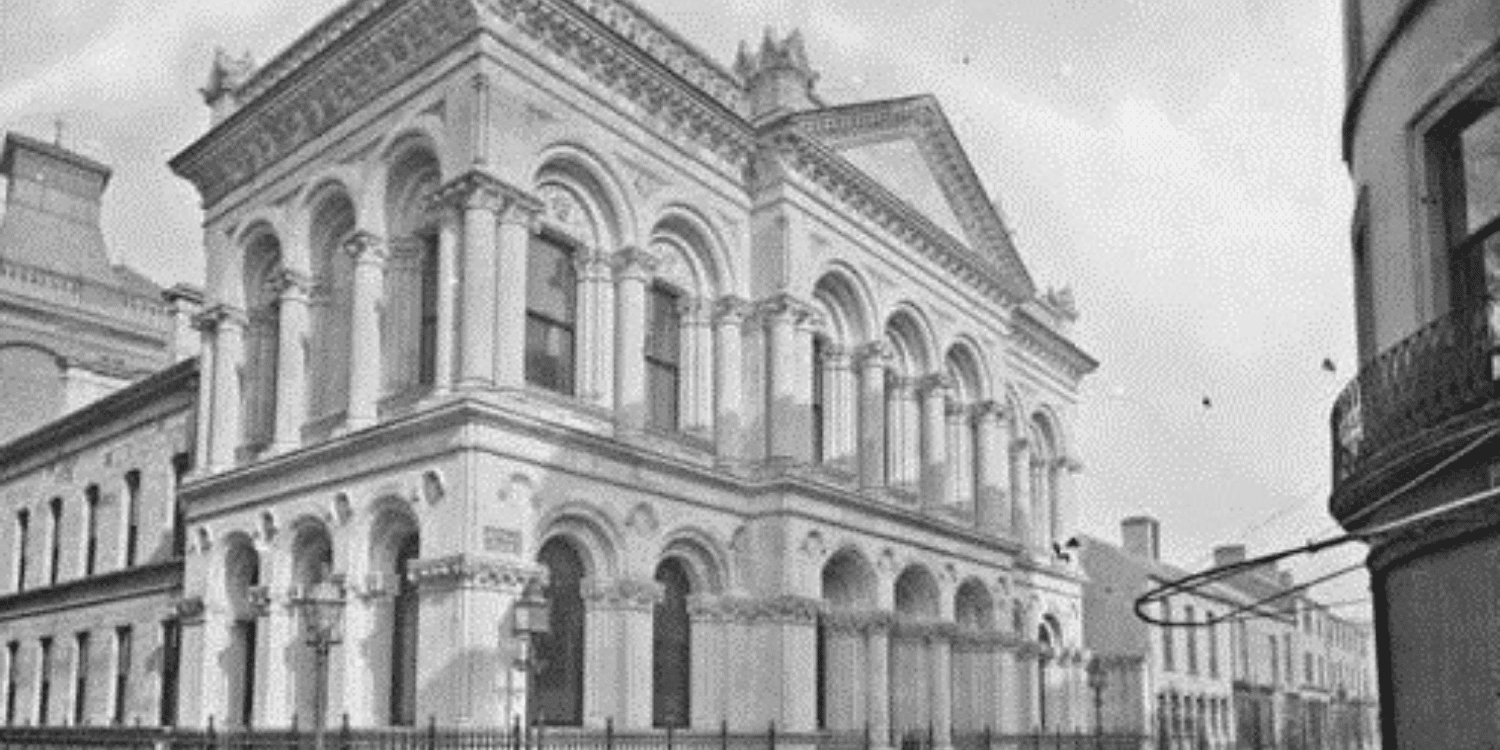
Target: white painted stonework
[(372, 199)]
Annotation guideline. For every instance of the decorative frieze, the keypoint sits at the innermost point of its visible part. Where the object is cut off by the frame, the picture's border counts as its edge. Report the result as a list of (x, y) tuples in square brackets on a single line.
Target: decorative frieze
[(470, 572), (856, 621), (786, 609), (629, 594), (927, 630)]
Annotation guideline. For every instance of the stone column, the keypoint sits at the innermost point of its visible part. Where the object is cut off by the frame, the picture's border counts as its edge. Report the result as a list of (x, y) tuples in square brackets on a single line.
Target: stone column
[(844, 679), (517, 217), (276, 637), (202, 457), (934, 391), (872, 359), (476, 196), (845, 408), (991, 515), (878, 672), (710, 674), (291, 380), (960, 457), (1027, 689), (1041, 503), (596, 359), (633, 269), (194, 662), (696, 381), (942, 686), (729, 319), (1066, 512), (369, 253), (622, 678), (789, 359), (447, 279), (468, 655), (228, 324), (1020, 483), (898, 398)]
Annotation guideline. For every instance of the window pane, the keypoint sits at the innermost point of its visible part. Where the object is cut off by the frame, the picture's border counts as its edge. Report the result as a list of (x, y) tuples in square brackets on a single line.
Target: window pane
[(662, 326), (1481, 155), (661, 386), (550, 282), (549, 354)]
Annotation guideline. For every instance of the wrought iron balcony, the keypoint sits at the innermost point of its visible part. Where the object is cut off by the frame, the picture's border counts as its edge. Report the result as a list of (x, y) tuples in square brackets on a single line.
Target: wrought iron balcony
[(1446, 369)]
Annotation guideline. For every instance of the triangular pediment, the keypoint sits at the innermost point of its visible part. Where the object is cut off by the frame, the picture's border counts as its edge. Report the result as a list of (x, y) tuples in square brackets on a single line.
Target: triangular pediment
[(910, 149)]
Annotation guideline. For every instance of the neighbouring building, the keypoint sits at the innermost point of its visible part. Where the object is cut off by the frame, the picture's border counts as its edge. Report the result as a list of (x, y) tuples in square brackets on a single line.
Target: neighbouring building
[(507, 299), (1419, 427), (1174, 685)]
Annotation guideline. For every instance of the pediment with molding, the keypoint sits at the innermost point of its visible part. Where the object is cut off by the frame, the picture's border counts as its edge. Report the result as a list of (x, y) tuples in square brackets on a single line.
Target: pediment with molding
[(909, 148)]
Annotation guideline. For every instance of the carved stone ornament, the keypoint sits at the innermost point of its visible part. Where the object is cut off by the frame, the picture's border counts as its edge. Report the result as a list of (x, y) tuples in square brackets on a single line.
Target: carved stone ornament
[(289, 283), (731, 310), (978, 640), (917, 629), (631, 594), (873, 354), (852, 622), (190, 610), (259, 598), (642, 519), (813, 545), (469, 572), (366, 247)]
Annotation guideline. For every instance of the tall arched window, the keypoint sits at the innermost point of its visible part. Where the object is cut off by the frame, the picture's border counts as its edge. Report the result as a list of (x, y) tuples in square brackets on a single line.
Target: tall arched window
[(241, 574), (557, 679), (404, 610), (663, 357), (409, 313), (262, 340), (671, 643), (819, 403), (312, 563), (330, 307), (551, 312)]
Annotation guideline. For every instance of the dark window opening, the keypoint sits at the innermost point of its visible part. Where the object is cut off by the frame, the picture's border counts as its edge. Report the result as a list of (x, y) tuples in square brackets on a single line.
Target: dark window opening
[(403, 706), (91, 524), (1468, 148), (23, 535), (557, 670), (171, 639), (663, 357), (122, 673), (44, 683), (132, 514), (12, 653), (81, 679), (182, 463), (671, 644), (427, 330), (551, 308), (56, 509), (820, 350)]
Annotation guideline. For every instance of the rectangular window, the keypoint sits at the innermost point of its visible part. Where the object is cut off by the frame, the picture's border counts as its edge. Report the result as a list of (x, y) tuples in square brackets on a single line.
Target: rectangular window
[(81, 678), (122, 673), (551, 307), (182, 463), (820, 351), (12, 650), (91, 528), (1192, 640), (1213, 645), (1468, 146), (663, 356), (1168, 662), (1275, 661), (44, 682), (171, 640), (23, 536), (427, 330), (55, 510), (132, 514)]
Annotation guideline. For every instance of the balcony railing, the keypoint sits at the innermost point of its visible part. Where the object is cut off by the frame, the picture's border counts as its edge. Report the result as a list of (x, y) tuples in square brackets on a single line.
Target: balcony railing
[(1443, 370)]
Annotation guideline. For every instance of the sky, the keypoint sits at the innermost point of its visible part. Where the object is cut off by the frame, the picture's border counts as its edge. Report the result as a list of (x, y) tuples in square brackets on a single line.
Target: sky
[(1175, 162)]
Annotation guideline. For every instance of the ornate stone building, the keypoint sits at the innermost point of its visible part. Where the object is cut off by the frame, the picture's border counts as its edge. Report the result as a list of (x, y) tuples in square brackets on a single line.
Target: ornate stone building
[(755, 387)]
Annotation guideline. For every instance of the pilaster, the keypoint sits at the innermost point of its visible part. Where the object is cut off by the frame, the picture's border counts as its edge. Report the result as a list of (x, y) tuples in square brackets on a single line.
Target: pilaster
[(596, 340), (517, 217), (729, 318), (872, 360), (934, 390), (369, 252), (228, 326), (620, 615), (291, 378), (992, 512), (1020, 482), (633, 270)]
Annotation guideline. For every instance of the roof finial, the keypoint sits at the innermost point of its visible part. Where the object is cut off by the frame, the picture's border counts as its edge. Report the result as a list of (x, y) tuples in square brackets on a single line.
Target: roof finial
[(58, 125)]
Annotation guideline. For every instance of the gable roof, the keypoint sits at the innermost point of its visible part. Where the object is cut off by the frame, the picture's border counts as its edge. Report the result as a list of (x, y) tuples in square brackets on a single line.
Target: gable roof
[(910, 148)]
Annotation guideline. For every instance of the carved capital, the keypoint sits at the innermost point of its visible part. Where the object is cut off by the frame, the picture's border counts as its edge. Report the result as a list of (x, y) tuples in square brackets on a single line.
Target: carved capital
[(789, 609), (929, 630), (259, 598), (290, 284), (695, 311), (633, 263), (631, 594), (469, 572), (219, 316), (935, 384), (836, 357), (731, 310), (955, 411), (785, 309), (852, 622), (875, 354), (189, 610), (1020, 445), (366, 247), (989, 410)]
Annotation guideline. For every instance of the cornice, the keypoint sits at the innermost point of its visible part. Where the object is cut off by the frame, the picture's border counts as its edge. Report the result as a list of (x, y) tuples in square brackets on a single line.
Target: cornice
[(1038, 338), (325, 76), (876, 203), (81, 593)]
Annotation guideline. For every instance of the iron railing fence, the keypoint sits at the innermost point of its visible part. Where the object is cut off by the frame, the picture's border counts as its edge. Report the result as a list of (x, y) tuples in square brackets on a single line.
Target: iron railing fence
[(432, 737), (1445, 369)]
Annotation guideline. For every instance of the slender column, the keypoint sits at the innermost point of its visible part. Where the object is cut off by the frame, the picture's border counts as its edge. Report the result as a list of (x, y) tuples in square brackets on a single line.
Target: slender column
[(960, 456), (1041, 502), (369, 254), (447, 280), (206, 326), (517, 217), (629, 675), (277, 646), (934, 467), (845, 427), (1066, 512), (194, 660), (898, 398), (476, 196), (697, 367), (709, 652), (942, 687), (878, 672), (596, 295), (1020, 482), (729, 319), (229, 326), (872, 360), (789, 327), (633, 269), (990, 512), (291, 406)]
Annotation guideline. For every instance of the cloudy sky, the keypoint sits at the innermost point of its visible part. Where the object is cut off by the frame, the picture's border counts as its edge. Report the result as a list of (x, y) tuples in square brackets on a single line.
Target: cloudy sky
[(1174, 161)]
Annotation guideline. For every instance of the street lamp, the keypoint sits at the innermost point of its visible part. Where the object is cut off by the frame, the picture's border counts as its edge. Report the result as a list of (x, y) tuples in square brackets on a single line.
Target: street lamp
[(530, 617), (1097, 677), (321, 607)]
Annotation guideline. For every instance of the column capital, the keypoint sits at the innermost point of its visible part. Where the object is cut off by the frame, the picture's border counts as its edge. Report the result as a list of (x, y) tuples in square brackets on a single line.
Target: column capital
[(934, 383), (291, 284), (1068, 464), (631, 262), (836, 357), (731, 310), (630, 594), (366, 248), (955, 411), (189, 610), (873, 354), (218, 316), (857, 621), (988, 410), (899, 385), (592, 265), (783, 306), (473, 572), (694, 310), (932, 630), (477, 189)]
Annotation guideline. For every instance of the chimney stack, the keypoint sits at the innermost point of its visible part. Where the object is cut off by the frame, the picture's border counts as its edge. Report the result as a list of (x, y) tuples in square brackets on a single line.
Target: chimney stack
[(1142, 536), (1229, 554)]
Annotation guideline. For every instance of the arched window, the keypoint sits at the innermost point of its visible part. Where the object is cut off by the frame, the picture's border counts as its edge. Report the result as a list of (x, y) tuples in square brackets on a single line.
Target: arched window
[(557, 678), (262, 274), (409, 313), (663, 357), (404, 611), (848, 585), (671, 643), (312, 563), (551, 313), (241, 574), (330, 307)]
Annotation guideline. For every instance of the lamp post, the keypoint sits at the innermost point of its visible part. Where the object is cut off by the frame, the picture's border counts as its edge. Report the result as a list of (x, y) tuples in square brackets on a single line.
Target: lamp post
[(1097, 677), (531, 617), (321, 607)]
